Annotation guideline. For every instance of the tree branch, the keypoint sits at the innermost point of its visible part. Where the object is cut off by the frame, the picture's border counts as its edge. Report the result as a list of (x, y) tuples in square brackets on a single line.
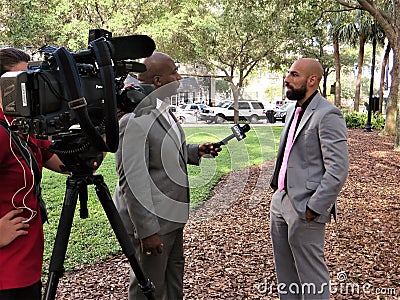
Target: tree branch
[(348, 5), (384, 19), (99, 13)]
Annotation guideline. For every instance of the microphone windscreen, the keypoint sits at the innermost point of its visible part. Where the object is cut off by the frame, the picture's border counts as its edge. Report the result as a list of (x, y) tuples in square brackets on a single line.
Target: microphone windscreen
[(131, 47)]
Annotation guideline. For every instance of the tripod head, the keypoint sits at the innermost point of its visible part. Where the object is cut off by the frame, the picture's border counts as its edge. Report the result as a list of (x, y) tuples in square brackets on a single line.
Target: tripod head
[(81, 159), (79, 156)]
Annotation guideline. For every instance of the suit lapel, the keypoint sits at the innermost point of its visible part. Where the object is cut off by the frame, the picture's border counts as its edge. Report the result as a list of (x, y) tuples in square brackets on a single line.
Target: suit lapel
[(181, 139), (289, 116), (307, 115), (171, 132), (148, 106)]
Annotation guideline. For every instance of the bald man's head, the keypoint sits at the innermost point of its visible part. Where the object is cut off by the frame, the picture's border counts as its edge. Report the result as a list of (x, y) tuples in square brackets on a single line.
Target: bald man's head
[(303, 79), (311, 66), (161, 69)]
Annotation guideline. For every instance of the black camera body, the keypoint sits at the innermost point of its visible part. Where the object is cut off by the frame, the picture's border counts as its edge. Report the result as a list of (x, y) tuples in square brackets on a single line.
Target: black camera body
[(38, 98)]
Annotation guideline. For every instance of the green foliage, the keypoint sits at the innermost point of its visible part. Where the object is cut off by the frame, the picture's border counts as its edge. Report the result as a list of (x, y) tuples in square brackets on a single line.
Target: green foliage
[(273, 92), (378, 121), (66, 23), (259, 145), (355, 120), (229, 36), (232, 37), (92, 239), (359, 120), (222, 87), (27, 23)]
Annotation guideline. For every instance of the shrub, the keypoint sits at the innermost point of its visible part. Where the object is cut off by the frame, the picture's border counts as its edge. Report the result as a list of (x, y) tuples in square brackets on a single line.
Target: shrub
[(359, 120), (355, 120), (378, 121)]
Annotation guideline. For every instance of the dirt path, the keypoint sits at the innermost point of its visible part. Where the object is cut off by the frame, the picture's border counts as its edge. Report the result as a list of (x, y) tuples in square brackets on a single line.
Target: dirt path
[(228, 247)]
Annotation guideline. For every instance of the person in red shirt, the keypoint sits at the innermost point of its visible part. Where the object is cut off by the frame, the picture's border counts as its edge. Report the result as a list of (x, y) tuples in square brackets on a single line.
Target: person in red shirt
[(21, 229)]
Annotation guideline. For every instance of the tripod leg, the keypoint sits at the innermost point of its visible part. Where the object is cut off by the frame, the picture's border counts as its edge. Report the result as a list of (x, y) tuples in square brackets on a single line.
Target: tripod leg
[(105, 198), (83, 199), (56, 267)]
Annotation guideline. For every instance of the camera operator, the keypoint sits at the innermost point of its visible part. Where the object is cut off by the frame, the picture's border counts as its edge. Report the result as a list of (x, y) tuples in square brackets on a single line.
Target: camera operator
[(152, 195), (21, 229)]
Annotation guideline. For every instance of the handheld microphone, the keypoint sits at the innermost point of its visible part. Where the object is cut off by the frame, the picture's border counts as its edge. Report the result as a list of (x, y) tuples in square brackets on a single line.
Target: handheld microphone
[(238, 132)]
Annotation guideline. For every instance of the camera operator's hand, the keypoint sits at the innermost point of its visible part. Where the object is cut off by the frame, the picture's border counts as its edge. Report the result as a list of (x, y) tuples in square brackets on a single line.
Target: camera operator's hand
[(152, 245), (129, 85), (11, 227), (207, 149)]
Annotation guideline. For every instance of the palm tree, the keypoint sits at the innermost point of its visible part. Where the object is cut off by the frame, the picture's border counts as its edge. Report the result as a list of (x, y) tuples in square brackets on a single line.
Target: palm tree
[(365, 27), (357, 27), (342, 31)]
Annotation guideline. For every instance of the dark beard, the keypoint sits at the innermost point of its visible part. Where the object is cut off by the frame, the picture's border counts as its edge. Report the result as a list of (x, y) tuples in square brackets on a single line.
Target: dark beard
[(297, 94)]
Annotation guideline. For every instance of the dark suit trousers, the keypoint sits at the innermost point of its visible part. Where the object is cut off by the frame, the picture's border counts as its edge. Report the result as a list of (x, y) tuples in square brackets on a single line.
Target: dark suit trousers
[(298, 252), (164, 270)]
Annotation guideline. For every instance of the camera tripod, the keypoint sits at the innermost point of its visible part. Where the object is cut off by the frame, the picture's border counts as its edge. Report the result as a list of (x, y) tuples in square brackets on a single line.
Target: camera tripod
[(76, 187)]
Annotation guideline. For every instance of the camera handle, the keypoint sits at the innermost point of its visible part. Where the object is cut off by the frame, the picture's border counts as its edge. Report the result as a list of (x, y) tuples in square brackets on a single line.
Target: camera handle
[(77, 186), (70, 78)]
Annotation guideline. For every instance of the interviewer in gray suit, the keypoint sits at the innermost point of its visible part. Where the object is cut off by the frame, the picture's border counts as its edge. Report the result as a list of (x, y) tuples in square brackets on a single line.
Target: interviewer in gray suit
[(317, 167), (152, 194)]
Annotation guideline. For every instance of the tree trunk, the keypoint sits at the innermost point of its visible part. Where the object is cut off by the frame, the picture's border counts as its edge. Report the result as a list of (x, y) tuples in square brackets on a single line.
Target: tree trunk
[(359, 74), (383, 76), (394, 96), (392, 30), (324, 83), (338, 89), (235, 92), (390, 125)]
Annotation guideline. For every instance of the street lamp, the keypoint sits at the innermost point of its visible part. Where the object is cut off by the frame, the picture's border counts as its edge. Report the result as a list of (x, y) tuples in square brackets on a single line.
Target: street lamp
[(368, 127)]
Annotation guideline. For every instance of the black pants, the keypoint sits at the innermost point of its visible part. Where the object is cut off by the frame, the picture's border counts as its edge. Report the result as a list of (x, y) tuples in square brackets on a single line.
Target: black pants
[(32, 292)]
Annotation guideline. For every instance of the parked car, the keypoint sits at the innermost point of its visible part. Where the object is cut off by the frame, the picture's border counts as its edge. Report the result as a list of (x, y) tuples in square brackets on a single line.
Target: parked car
[(222, 103), (280, 113), (181, 115), (184, 118), (251, 111), (193, 108), (277, 114)]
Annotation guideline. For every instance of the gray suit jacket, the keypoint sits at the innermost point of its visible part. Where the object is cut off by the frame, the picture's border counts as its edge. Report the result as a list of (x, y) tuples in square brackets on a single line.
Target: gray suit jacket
[(152, 194), (318, 162)]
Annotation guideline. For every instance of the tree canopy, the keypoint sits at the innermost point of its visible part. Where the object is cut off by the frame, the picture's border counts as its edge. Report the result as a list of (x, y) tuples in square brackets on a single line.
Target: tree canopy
[(232, 38)]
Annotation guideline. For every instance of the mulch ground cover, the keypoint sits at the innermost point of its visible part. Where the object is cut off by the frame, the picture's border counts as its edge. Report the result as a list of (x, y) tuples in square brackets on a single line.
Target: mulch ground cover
[(228, 247)]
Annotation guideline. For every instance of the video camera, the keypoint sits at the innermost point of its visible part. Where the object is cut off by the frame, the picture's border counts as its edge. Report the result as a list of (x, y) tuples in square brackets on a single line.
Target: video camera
[(68, 88)]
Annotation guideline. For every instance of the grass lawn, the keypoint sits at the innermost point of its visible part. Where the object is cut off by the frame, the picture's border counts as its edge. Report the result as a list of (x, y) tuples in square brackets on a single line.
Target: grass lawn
[(92, 239)]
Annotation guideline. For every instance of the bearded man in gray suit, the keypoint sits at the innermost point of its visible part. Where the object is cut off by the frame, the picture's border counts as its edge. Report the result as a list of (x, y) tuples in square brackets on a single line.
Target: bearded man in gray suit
[(152, 194), (311, 168)]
